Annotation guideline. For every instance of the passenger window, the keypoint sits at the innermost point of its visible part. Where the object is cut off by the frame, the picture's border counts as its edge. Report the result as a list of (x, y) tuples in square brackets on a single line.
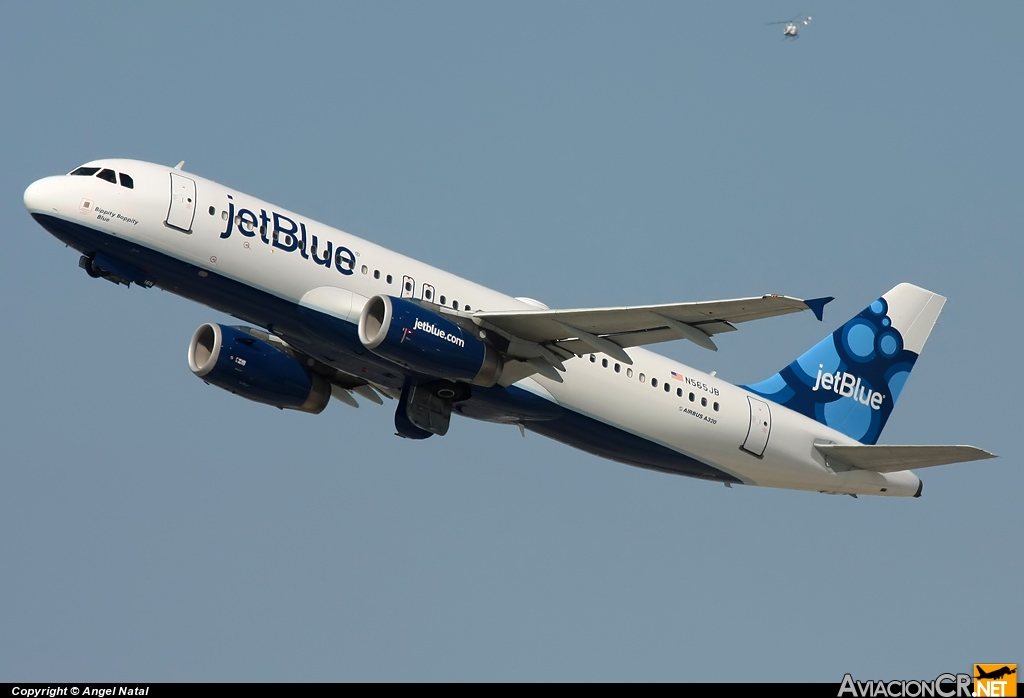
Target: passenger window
[(642, 379), (429, 294), (376, 273), (654, 382), (443, 301), (468, 308), (408, 285), (86, 171), (629, 373), (344, 260), (455, 304), (716, 407), (389, 278), (604, 362), (618, 368), (223, 215), (593, 359), (108, 176), (668, 388), (703, 402), (679, 392), (692, 398), (128, 183), (213, 211)]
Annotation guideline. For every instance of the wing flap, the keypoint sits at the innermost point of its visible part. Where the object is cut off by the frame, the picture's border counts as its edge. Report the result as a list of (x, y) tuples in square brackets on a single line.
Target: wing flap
[(630, 339), (891, 459)]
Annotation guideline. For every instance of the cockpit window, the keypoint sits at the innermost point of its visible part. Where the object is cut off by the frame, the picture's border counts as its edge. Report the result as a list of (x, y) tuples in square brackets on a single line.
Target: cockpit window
[(108, 175), (126, 181), (86, 171)]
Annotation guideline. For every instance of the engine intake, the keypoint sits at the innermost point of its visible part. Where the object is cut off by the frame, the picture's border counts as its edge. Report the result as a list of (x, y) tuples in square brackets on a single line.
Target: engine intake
[(421, 340), (233, 359)]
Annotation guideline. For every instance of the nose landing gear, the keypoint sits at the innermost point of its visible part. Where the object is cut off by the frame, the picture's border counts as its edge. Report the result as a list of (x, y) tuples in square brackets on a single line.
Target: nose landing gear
[(101, 267)]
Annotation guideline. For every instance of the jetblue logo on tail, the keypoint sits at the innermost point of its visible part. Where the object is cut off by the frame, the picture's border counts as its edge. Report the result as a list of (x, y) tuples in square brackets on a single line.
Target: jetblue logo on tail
[(848, 385), (851, 380)]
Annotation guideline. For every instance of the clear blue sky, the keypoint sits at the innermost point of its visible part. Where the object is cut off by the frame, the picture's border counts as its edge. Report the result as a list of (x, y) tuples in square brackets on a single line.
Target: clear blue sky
[(153, 528)]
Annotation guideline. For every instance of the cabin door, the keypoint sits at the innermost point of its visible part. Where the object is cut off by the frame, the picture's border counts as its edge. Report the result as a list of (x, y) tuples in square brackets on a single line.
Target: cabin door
[(183, 203), (760, 427)]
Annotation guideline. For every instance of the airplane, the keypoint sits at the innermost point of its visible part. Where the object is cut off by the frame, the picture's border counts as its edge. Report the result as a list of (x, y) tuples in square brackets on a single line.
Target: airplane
[(331, 315), (995, 674)]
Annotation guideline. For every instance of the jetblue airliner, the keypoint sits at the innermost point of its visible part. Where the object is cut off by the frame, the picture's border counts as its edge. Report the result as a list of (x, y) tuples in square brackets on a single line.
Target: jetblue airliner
[(333, 315)]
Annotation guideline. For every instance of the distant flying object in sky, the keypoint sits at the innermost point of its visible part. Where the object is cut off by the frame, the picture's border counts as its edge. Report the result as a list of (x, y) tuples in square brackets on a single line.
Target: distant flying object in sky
[(339, 316), (792, 29)]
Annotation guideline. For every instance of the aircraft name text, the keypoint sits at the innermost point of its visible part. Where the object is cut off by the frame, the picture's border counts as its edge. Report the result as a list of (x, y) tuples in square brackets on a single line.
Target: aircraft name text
[(106, 216)]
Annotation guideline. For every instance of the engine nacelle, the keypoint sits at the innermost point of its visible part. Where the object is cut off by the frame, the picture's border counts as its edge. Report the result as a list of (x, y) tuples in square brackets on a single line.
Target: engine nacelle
[(238, 362), (421, 340)]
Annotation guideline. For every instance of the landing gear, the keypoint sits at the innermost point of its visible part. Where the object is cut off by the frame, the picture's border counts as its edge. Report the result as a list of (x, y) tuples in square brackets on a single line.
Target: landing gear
[(85, 262), (426, 409), (100, 266)]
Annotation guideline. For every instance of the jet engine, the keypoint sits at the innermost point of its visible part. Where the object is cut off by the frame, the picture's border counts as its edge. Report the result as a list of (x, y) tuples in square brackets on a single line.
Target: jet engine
[(233, 359), (421, 340)]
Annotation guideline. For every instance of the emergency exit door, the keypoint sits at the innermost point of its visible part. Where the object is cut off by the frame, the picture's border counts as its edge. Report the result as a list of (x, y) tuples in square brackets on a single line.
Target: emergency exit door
[(408, 287)]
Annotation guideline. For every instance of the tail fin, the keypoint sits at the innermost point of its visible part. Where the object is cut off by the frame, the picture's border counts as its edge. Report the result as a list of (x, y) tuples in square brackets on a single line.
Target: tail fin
[(851, 379)]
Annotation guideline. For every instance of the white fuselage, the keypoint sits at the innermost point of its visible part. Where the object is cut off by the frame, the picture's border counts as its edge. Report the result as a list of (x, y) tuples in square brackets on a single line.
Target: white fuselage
[(699, 415)]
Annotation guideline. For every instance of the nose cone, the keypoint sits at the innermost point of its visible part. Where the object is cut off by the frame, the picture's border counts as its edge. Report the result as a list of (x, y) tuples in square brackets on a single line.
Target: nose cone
[(40, 197)]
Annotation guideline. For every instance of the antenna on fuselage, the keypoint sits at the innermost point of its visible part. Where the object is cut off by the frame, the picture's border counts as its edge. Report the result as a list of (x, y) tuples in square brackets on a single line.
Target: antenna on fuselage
[(179, 165)]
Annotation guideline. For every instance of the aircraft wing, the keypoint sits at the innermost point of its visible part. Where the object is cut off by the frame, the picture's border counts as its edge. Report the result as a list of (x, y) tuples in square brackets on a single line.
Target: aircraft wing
[(546, 337), (891, 459)]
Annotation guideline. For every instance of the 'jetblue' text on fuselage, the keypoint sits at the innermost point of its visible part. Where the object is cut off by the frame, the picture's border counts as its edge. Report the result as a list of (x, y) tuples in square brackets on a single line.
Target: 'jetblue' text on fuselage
[(285, 234)]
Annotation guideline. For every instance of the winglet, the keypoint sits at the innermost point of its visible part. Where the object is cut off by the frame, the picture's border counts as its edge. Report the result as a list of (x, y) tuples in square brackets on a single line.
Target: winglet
[(817, 306)]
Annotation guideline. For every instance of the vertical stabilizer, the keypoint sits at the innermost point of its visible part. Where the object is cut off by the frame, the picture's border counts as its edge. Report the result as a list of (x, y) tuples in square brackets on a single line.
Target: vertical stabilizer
[(851, 379)]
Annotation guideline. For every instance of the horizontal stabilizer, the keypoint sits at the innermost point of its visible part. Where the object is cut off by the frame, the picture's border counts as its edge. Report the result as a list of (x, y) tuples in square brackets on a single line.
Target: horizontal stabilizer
[(891, 459)]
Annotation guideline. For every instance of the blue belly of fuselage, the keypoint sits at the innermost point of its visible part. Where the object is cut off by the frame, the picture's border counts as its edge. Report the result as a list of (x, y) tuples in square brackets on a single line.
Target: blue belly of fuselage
[(335, 342)]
